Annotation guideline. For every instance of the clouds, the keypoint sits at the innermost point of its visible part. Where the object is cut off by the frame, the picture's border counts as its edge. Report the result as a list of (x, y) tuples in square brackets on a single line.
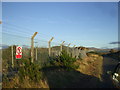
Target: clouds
[(114, 43)]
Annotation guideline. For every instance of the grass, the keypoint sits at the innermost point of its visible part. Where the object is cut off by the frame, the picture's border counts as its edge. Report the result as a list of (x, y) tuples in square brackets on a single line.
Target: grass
[(15, 83), (60, 78), (56, 75), (92, 65)]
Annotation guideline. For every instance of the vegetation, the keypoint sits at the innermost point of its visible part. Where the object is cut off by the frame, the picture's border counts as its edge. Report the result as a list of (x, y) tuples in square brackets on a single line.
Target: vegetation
[(64, 60), (57, 71), (30, 70)]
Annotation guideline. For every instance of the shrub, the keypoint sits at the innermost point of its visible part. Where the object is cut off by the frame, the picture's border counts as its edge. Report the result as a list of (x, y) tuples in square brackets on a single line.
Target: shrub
[(30, 71), (64, 60)]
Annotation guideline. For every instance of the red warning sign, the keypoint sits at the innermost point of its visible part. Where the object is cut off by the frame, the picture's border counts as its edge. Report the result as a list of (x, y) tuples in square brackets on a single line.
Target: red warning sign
[(18, 52)]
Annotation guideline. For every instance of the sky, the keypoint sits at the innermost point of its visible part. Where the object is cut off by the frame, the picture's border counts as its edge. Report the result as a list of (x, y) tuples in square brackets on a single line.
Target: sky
[(89, 24)]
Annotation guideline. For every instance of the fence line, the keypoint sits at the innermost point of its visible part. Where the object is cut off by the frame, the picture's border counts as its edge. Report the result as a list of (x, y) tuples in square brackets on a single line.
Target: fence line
[(35, 49)]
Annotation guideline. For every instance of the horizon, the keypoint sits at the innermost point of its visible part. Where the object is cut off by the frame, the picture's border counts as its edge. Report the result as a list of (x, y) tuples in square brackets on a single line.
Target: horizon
[(3, 46)]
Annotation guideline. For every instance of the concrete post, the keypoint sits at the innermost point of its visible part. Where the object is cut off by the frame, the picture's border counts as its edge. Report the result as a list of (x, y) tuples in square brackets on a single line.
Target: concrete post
[(32, 46), (73, 51), (61, 45), (49, 45), (68, 48)]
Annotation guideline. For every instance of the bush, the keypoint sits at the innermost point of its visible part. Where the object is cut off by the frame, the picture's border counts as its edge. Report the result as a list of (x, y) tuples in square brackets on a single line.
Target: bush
[(64, 60), (30, 71)]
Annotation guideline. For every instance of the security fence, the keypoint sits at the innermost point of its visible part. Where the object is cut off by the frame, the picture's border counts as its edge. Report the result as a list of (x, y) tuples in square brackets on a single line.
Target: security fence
[(42, 50)]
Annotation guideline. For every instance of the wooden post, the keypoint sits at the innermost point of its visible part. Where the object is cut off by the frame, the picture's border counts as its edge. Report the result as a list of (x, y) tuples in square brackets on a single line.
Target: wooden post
[(74, 51), (32, 47), (12, 56), (61, 46), (49, 45), (68, 48)]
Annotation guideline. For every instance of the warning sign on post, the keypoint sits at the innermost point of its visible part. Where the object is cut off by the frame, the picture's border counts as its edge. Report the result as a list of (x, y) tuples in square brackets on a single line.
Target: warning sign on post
[(18, 52)]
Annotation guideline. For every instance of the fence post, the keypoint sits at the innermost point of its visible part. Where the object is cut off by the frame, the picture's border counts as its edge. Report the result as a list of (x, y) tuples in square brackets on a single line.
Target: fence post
[(32, 47), (36, 53), (68, 48), (61, 46), (74, 51), (12, 56), (0, 22), (49, 45)]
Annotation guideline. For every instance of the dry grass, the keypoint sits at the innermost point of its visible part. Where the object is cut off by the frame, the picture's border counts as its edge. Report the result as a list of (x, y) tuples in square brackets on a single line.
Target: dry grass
[(87, 75), (15, 83), (91, 65)]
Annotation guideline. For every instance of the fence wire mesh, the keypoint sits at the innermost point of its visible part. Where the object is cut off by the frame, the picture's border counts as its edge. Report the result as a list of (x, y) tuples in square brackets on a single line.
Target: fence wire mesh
[(41, 49)]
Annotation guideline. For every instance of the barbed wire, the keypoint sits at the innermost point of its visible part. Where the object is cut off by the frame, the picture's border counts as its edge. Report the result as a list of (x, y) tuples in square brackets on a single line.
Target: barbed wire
[(46, 36), (20, 33), (12, 39), (39, 35), (18, 30), (14, 34), (14, 29), (25, 28), (39, 41), (35, 39)]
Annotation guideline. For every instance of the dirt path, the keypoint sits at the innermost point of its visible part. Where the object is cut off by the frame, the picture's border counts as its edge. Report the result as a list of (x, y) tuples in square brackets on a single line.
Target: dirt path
[(108, 65)]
